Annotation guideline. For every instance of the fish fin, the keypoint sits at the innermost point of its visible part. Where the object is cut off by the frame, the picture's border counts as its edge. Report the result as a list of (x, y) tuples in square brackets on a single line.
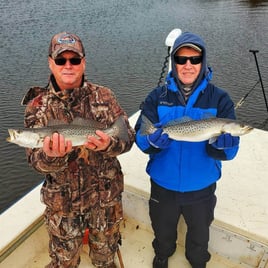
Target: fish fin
[(78, 121), (180, 120), (212, 139), (122, 131), (208, 115), (147, 126), (55, 122)]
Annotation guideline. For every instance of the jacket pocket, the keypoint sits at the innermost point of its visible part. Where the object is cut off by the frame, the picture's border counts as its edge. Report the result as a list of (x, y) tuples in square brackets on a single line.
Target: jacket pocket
[(110, 189), (57, 198)]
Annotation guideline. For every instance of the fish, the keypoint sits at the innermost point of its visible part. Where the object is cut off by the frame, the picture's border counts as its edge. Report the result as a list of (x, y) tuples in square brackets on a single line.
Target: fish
[(187, 129), (77, 132)]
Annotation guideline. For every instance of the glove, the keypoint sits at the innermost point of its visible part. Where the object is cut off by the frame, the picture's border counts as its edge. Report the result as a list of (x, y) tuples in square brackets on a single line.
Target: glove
[(226, 141), (159, 140)]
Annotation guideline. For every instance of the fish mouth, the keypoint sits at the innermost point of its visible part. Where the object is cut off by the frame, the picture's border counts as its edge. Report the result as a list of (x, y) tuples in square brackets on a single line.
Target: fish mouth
[(11, 135), (248, 129)]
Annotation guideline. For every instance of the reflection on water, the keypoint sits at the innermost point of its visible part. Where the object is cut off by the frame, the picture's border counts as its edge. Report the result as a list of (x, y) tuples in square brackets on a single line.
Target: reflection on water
[(124, 42)]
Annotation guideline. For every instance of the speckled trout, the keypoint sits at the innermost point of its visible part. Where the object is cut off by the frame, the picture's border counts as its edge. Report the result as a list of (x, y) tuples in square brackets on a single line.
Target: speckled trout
[(186, 129), (77, 132)]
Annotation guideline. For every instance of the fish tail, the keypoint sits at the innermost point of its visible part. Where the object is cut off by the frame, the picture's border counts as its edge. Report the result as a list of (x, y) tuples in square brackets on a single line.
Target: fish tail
[(120, 129), (147, 126)]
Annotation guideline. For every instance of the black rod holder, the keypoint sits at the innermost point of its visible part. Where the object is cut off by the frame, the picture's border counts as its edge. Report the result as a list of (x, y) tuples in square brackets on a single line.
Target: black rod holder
[(258, 69)]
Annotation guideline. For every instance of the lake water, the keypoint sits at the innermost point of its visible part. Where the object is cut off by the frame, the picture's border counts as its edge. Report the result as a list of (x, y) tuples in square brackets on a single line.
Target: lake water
[(124, 42)]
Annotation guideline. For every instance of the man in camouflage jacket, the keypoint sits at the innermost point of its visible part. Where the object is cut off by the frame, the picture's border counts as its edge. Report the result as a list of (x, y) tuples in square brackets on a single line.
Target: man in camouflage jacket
[(83, 184)]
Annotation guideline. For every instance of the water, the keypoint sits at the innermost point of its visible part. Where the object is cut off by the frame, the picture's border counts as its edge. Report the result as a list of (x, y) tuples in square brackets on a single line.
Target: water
[(124, 41)]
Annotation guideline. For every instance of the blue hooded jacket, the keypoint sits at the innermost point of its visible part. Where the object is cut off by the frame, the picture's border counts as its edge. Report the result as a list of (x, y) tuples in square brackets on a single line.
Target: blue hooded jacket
[(185, 166)]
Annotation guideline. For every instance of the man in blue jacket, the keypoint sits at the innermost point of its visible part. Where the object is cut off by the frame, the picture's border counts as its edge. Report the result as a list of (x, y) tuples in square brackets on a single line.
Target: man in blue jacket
[(184, 174)]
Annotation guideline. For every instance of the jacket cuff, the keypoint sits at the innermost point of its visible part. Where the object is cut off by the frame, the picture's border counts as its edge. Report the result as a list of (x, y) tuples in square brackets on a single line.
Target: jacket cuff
[(215, 153)]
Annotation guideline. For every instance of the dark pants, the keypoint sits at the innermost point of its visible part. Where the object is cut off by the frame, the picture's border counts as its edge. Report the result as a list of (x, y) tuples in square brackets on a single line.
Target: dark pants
[(197, 208)]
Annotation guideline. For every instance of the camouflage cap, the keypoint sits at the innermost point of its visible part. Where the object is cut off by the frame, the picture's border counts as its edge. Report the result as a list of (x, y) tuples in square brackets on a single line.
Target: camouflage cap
[(65, 42)]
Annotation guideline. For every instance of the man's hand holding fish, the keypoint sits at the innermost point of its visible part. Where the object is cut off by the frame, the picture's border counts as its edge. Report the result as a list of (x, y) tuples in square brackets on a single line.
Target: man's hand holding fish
[(56, 146), (99, 143)]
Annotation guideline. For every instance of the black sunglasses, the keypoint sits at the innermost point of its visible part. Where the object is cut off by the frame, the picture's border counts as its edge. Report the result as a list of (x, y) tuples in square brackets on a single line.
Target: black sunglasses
[(182, 59), (62, 61)]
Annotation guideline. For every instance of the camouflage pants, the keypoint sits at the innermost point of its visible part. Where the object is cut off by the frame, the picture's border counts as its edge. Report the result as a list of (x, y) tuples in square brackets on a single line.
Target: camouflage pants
[(66, 235)]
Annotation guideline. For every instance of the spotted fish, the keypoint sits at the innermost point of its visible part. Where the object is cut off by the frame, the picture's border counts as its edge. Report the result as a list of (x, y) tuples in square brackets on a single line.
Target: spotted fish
[(77, 132), (186, 129)]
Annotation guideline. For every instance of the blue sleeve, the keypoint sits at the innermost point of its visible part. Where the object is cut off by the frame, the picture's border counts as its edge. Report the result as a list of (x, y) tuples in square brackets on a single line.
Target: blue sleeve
[(142, 141), (225, 109), (149, 109), (144, 145)]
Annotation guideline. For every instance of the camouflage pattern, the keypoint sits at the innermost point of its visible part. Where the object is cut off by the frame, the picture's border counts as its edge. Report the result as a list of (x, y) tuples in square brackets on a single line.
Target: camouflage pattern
[(83, 189)]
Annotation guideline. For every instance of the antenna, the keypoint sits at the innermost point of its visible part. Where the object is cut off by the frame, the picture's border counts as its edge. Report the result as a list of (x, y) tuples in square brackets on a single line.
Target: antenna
[(170, 39)]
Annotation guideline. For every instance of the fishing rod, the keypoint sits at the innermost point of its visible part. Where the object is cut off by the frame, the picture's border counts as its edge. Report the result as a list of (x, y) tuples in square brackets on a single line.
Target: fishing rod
[(259, 73), (242, 100)]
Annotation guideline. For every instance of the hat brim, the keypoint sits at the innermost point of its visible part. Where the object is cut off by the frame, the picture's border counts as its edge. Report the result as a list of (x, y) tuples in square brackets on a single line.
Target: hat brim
[(195, 47)]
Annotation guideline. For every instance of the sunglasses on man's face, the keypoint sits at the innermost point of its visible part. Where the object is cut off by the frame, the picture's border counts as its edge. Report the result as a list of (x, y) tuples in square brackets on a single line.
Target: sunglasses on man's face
[(62, 61), (182, 59)]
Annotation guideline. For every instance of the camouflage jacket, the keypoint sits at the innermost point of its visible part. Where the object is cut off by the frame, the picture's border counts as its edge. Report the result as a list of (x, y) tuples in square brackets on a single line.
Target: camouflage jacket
[(82, 178)]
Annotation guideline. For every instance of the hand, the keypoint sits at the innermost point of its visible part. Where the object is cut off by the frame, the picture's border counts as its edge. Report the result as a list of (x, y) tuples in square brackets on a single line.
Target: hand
[(159, 140), (99, 143), (56, 146), (225, 141)]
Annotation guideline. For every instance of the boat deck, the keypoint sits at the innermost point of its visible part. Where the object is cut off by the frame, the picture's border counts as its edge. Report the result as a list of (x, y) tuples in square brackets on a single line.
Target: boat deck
[(136, 251), (238, 236)]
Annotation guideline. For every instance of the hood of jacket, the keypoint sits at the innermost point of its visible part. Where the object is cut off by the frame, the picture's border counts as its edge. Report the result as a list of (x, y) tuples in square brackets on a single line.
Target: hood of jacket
[(195, 39)]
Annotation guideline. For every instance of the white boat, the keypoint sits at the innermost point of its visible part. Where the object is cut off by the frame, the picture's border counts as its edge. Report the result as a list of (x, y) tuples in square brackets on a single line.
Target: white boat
[(238, 235)]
